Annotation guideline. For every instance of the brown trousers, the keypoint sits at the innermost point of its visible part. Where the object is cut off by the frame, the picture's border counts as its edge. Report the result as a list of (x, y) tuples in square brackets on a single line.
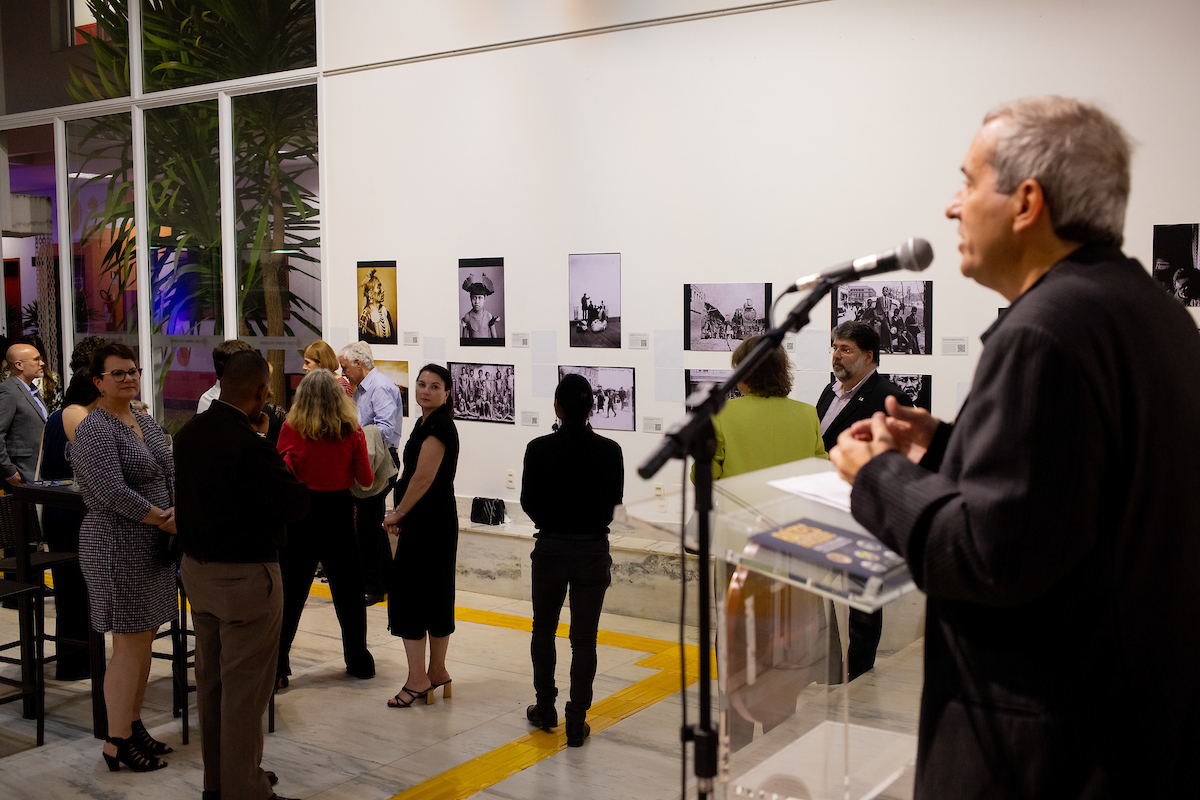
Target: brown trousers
[(237, 610)]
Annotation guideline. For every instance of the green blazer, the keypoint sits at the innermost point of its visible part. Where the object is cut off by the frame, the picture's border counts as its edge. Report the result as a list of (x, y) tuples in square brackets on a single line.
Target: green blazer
[(757, 432)]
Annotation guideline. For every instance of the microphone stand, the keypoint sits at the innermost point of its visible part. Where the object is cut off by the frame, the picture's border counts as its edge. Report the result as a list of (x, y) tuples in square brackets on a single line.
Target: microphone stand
[(694, 436)]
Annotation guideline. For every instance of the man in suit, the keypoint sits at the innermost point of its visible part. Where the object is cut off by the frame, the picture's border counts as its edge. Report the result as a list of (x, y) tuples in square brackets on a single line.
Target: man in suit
[(22, 415), (858, 392), (234, 496), (1054, 526)]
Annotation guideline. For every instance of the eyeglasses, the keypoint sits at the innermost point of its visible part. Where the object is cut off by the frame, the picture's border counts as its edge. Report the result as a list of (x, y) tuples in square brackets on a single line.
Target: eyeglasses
[(121, 375), (845, 350)]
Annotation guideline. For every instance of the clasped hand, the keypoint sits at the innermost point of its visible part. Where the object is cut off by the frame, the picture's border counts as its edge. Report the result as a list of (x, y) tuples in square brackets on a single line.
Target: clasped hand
[(391, 522), (906, 430)]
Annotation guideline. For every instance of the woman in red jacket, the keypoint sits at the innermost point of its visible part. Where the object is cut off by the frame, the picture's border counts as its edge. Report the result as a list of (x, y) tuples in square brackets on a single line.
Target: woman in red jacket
[(323, 444)]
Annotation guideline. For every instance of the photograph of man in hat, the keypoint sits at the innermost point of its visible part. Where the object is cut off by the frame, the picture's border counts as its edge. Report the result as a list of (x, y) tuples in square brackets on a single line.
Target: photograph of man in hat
[(481, 325)]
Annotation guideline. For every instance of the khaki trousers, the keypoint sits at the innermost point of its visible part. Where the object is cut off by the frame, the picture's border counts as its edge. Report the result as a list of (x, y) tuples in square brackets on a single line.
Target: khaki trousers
[(237, 610)]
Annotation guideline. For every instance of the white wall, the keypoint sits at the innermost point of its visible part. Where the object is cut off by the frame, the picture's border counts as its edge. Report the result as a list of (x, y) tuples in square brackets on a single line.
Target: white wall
[(749, 147)]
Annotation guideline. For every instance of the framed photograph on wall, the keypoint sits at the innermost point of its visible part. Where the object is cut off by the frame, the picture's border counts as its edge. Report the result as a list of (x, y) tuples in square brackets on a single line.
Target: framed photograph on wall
[(693, 378), (377, 302), (397, 373), (1175, 261), (719, 316), (919, 388), (612, 389), (595, 291), (901, 312), (481, 302), (483, 392)]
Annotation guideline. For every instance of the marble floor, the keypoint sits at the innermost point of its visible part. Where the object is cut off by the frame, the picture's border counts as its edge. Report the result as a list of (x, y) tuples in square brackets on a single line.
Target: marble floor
[(335, 739)]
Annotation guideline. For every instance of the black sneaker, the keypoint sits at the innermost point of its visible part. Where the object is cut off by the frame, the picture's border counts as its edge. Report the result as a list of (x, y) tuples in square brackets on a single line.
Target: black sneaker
[(577, 732), (544, 718)]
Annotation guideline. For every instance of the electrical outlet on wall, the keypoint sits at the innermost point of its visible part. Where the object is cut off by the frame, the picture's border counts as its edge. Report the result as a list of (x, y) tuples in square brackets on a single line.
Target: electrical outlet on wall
[(510, 479)]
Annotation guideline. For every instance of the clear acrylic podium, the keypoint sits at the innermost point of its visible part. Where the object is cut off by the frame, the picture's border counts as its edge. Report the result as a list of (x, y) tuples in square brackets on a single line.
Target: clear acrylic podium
[(791, 726)]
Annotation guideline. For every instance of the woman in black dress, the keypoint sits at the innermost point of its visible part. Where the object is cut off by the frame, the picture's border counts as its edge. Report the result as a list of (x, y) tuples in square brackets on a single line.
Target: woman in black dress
[(421, 598), (62, 526)]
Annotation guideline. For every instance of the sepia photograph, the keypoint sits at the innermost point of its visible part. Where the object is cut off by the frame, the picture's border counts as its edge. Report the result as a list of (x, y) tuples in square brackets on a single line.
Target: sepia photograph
[(483, 392), (695, 378), (901, 312), (377, 302), (481, 302), (1175, 261), (718, 316), (919, 388), (595, 299), (397, 373), (612, 390)]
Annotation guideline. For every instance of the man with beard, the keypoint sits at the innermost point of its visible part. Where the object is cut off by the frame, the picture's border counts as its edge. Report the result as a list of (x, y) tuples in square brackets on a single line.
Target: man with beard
[(858, 392)]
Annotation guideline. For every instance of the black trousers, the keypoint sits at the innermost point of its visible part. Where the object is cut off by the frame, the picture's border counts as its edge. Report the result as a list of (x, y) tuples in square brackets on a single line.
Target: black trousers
[(374, 550), (61, 526), (326, 534), (583, 568)]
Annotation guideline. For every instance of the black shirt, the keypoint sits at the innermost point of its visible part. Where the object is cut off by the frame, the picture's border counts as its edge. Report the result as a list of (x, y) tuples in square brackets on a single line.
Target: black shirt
[(233, 492), (573, 479)]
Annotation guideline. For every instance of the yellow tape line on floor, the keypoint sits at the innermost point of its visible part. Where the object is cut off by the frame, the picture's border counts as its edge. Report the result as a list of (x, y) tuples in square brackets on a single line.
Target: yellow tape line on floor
[(507, 760)]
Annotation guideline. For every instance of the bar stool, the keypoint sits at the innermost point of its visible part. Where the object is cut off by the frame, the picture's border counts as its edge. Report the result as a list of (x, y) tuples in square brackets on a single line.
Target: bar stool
[(29, 597)]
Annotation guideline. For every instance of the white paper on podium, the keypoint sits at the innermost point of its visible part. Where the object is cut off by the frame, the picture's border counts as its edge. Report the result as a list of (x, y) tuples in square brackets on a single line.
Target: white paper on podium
[(824, 487)]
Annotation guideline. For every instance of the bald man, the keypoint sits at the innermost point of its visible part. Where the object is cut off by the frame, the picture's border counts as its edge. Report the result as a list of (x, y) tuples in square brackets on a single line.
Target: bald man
[(22, 415)]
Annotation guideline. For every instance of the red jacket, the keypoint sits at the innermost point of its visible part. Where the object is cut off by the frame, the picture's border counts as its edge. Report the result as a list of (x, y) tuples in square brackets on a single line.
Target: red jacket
[(326, 465)]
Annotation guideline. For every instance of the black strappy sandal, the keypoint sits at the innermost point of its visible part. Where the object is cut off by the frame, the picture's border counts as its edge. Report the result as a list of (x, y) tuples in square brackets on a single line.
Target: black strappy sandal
[(413, 697), (147, 743)]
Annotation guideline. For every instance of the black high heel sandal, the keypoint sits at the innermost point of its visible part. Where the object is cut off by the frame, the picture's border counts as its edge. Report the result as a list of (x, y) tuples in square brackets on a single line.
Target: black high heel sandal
[(132, 757), (413, 697), (147, 743)]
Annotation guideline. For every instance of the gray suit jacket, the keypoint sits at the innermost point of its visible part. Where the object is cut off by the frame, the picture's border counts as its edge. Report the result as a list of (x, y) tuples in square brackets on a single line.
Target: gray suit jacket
[(21, 424)]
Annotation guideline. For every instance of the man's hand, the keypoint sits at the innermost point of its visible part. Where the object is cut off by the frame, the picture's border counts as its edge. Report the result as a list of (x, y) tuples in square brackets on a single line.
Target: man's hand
[(262, 424), (16, 479), (859, 444), (912, 429), (168, 521)]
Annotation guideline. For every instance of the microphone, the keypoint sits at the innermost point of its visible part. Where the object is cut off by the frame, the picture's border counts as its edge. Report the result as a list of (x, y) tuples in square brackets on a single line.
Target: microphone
[(912, 254)]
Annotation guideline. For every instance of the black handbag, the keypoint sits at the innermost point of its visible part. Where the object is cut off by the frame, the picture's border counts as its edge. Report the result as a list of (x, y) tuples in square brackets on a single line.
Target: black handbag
[(487, 511)]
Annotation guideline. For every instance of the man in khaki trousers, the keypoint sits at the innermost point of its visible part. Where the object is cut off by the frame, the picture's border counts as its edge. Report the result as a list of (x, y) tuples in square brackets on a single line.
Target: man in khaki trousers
[(234, 495)]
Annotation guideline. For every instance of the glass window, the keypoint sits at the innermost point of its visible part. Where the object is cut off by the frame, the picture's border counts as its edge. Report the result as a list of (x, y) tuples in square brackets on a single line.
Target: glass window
[(183, 200), (278, 229), (190, 42), (56, 54)]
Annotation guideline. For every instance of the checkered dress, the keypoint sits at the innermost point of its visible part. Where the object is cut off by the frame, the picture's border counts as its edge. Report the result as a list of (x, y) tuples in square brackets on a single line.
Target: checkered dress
[(121, 476)]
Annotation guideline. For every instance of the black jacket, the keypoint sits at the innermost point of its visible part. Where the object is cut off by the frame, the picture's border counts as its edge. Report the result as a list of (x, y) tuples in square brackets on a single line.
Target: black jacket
[(233, 492), (1055, 529), (573, 479), (869, 399)]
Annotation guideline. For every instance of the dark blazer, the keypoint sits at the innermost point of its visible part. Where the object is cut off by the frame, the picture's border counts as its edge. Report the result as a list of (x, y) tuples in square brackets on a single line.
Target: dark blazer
[(867, 401), (1055, 529), (21, 424), (573, 480), (233, 493)]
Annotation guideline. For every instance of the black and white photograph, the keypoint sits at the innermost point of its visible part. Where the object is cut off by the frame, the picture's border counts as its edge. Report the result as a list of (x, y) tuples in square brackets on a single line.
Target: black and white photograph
[(694, 378), (481, 302), (1175, 261), (377, 302), (484, 392), (719, 316), (612, 388), (901, 312), (919, 388), (595, 286)]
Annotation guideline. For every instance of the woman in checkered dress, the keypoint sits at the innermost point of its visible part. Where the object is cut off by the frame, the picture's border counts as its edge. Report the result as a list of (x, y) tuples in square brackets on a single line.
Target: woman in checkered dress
[(125, 472)]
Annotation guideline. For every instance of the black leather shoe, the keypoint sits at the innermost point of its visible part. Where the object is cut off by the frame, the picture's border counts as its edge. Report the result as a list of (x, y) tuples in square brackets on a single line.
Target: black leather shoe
[(214, 794), (371, 598), (544, 718), (577, 732)]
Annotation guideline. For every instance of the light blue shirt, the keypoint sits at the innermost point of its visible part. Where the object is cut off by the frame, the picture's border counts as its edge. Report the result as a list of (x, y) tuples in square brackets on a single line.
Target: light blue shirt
[(33, 391), (378, 401)]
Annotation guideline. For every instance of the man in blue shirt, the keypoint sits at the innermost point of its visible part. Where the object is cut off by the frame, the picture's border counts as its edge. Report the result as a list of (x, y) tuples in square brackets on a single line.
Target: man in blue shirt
[(22, 415), (378, 401)]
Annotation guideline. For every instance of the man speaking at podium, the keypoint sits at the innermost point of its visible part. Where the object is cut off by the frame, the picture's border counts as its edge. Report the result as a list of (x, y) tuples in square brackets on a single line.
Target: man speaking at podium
[(1055, 527)]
